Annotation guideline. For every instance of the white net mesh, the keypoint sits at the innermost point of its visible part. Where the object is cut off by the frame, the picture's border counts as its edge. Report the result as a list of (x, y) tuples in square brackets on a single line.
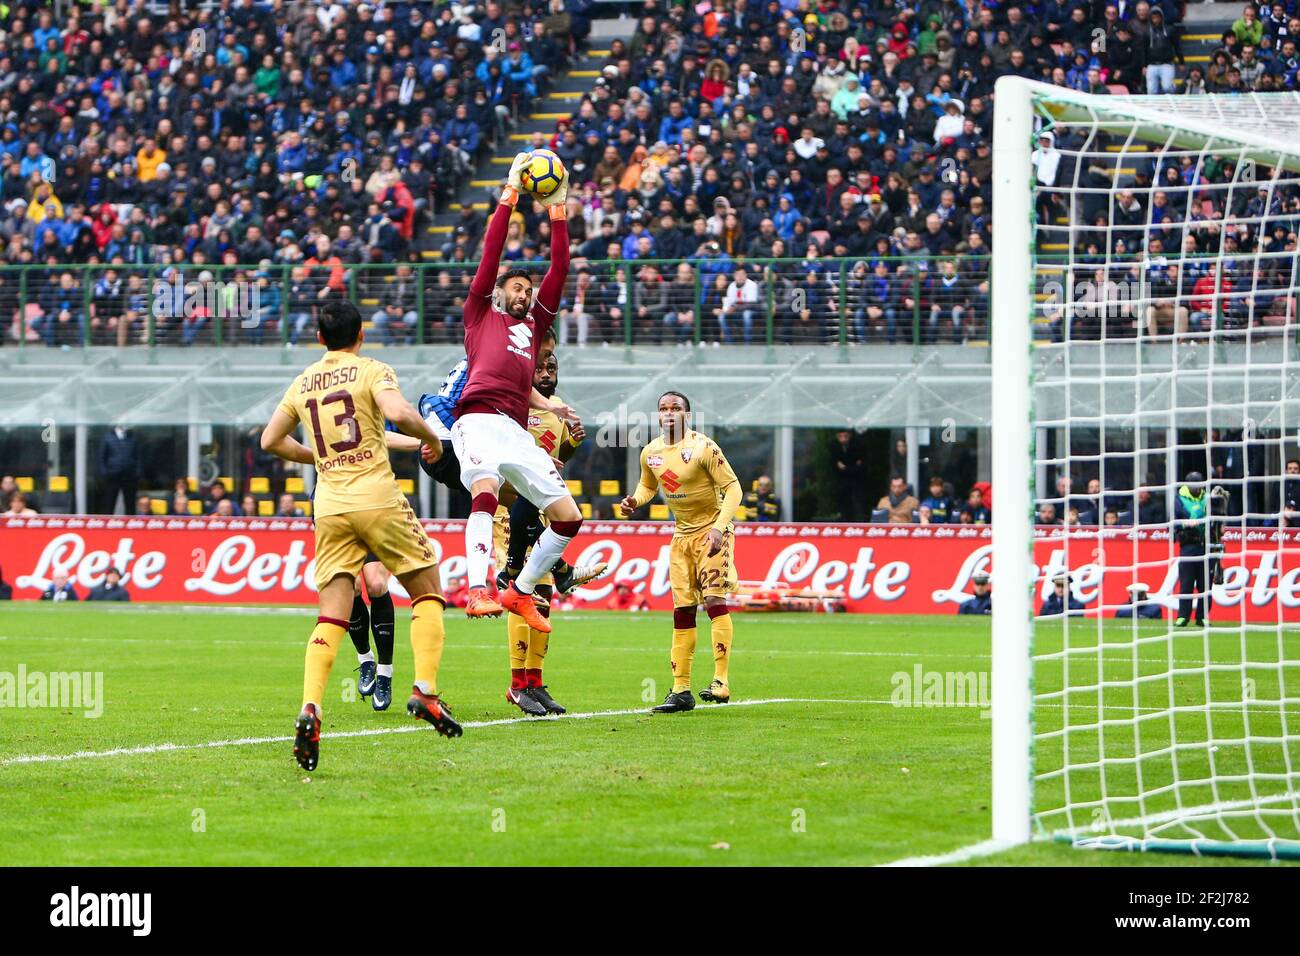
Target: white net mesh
[(1166, 280)]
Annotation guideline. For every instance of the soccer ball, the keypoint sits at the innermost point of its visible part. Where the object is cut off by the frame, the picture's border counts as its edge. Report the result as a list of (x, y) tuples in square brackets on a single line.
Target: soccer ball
[(543, 173)]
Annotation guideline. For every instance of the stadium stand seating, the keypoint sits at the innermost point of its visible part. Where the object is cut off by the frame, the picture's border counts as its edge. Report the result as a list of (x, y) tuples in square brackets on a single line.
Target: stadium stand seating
[(308, 150)]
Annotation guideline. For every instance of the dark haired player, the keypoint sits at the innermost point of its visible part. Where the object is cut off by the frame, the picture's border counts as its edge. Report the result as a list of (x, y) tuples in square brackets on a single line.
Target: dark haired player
[(702, 491), (342, 402), (503, 327)]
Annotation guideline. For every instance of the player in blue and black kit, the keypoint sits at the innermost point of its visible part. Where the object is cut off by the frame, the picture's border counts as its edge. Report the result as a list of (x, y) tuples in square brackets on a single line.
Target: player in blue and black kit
[(438, 410)]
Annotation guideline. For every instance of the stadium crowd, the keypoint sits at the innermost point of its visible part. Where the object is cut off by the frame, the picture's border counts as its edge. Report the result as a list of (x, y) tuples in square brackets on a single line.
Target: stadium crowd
[(311, 142), (283, 134)]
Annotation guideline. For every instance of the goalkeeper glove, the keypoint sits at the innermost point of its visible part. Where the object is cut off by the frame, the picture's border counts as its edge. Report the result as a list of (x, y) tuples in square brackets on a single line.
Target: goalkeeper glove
[(514, 186), (554, 203), (513, 178)]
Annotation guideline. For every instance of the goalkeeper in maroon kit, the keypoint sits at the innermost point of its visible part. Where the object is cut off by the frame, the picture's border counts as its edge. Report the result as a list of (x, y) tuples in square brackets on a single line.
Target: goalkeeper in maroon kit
[(504, 326)]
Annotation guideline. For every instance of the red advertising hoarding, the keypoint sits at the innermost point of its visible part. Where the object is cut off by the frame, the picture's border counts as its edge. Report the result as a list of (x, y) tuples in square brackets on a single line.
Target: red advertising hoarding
[(907, 569)]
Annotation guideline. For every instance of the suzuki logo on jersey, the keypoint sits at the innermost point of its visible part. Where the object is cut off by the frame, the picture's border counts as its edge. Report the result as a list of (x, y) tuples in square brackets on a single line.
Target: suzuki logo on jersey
[(670, 481), (521, 338), (547, 440)]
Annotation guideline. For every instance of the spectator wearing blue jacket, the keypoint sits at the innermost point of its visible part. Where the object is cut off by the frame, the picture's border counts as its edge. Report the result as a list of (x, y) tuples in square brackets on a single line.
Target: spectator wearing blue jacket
[(982, 601), (1061, 601), (270, 302), (786, 216), (47, 240), (710, 261), (631, 242), (69, 230), (35, 161), (462, 130), (45, 30), (671, 126), (518, 68), (63, 320), (348, 156), (292, 156), (10, 144), (344, 72)]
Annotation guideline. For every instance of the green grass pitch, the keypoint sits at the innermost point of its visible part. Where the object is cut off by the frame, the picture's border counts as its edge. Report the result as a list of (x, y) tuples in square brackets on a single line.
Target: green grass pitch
[(839, 777)]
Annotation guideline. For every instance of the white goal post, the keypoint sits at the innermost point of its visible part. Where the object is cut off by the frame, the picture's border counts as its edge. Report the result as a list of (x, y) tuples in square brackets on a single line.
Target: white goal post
[(1143, 312)]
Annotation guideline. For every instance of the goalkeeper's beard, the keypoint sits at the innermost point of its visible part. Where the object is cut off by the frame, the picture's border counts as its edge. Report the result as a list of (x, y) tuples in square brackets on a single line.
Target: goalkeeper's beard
[(516, 310)]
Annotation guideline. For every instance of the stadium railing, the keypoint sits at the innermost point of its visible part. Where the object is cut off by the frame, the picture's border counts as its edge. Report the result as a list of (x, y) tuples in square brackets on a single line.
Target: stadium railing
[(914, 300), (621, 302)]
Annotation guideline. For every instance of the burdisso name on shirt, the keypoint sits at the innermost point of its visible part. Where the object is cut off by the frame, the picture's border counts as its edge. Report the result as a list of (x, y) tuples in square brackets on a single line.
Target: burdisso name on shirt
[(319, 380)]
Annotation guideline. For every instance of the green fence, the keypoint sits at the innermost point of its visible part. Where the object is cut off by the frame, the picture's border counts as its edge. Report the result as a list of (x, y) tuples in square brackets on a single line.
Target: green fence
[(617, 302), (916, 301)]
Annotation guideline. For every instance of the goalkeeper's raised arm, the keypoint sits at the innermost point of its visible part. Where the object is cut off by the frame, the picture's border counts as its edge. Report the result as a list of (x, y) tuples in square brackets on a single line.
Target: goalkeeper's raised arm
[(495, 239), (552, 287)]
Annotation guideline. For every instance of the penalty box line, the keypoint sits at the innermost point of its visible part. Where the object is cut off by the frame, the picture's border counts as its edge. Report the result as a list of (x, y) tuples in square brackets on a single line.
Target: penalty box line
[(500, 722), (408, 728)]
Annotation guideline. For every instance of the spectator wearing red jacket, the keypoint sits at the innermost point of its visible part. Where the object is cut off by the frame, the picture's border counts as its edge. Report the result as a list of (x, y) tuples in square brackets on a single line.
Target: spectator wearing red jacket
[(1204, 304), (625, 599), (401, 198), (102, 227)]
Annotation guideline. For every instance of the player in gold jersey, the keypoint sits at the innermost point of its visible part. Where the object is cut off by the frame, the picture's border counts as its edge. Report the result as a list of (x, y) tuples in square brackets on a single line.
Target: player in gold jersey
[(342, 402), (703, 493)]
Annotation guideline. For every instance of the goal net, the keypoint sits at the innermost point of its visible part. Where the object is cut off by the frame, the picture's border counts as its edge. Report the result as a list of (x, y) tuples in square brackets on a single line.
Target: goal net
[(1145, 285)]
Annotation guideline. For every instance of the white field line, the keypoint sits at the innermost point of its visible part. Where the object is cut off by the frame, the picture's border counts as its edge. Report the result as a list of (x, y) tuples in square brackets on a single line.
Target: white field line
[(407, 728), (983, 848), (510, 721), (989, 847)]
